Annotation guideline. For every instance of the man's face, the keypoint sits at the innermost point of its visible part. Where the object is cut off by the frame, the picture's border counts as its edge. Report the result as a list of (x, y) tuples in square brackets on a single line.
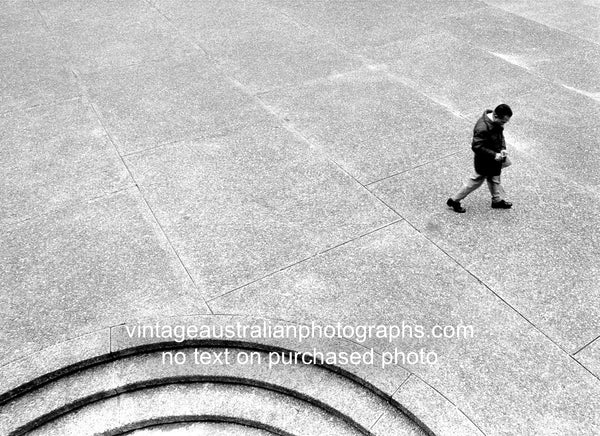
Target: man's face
[(501, 120)]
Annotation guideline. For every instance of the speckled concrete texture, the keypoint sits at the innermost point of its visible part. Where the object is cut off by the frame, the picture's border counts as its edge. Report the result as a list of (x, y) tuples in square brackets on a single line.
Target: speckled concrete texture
[(419, 397), (166, 159), (549, 276), (150, 104), (142, 35), (397, 275), (286, 414), (589, 356), (53, 156), (33, 70), (369, 122), (85, 267), (259, 57), (577, 17), (241, 206)]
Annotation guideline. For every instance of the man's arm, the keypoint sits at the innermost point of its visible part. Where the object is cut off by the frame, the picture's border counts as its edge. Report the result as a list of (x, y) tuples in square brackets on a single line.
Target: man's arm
[(480, 140)]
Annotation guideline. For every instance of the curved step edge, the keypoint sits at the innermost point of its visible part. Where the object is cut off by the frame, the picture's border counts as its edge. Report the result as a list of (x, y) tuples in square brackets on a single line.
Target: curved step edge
[(207, 428), (26, 374), (187, 419), (198, 402), (133, 387)]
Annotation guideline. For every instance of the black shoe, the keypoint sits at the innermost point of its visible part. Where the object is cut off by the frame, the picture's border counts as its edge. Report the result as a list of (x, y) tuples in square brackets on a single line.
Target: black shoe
[(456, 206), (502, 204)]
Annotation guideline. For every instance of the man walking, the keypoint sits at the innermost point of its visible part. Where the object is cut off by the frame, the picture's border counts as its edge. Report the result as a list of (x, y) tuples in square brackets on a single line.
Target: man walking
[(490, 155)]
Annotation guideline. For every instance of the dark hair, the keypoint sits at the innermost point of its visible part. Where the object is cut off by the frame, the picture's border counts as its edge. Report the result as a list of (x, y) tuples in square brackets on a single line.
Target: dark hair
[(503, 110)]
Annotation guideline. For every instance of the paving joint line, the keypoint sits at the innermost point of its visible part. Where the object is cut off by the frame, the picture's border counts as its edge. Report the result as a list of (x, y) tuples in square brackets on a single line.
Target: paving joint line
[(585, 346), (410, 374), (441, 394), (312, 256), (533, 72), (369, 61), (42, 105), (458, 115), (451, 402), (12, 226), (269, 110), (196, 44), (514, 309), (39, 12), (316, 81), (368, 190), (491, 290), (182, 142), (376, 421), (42, 348), (132, 177), (540, 23), (408, 170), (547, 171), (250, 94), (160, 226)]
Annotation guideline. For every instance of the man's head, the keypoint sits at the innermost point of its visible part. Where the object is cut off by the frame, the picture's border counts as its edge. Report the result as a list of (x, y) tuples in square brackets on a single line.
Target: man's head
[(502, 114)]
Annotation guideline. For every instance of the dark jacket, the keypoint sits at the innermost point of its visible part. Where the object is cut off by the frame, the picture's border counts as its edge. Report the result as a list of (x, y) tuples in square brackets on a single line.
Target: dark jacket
[(488, 139)]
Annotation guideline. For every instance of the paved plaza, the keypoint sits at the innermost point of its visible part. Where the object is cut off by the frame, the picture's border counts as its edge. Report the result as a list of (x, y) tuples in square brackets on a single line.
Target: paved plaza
[(290, 160)]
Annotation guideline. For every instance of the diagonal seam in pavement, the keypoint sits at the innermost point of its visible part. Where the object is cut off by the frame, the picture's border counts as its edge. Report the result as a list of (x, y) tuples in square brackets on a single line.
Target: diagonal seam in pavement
[(367, 62), (87, 100)]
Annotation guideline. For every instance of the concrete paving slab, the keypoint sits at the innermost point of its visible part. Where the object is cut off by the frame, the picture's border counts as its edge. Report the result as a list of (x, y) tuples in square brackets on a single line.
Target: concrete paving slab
[(590, 357), (508, 377), (359, 26), (552, 102), (280, 54), (53, 156), (550, 120), (500, 31), (369, 123), (547, 275), (152, 104), (19, 17), (244, 205), (58, 13), (106, 42), (80, 269), (473, 78), (578, 69), (444, 417), (594, 3), (353, 24), (440, 7), (549, 140), (52, 358), (575, 17), (527, 43), (540, 257), (34, 71), (414, 37), (215, 18), (256, 44)]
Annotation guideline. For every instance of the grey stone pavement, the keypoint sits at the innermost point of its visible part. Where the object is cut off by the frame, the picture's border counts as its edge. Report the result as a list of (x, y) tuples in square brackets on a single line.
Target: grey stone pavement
[(291, 159)]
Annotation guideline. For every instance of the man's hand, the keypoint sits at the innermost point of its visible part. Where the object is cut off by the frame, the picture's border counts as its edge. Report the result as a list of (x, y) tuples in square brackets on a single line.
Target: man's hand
[(499, 157)]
